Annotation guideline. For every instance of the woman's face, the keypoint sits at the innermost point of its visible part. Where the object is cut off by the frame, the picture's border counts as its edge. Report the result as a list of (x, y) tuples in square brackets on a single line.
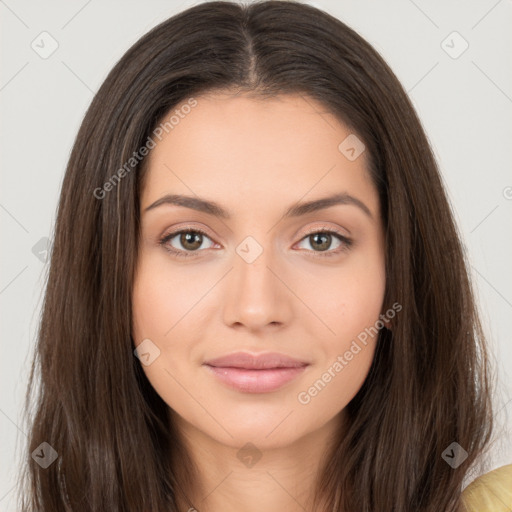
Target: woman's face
[(258, 282)]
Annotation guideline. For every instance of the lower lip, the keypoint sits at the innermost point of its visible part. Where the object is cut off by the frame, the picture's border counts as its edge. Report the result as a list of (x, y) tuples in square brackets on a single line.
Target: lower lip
[(256, 381)]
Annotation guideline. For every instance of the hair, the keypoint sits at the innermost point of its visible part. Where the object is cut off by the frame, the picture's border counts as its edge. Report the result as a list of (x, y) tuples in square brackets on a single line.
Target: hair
[(429, 384)]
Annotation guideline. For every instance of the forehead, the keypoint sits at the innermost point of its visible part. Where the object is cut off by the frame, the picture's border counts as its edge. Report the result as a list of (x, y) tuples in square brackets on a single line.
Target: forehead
[(239, 147)]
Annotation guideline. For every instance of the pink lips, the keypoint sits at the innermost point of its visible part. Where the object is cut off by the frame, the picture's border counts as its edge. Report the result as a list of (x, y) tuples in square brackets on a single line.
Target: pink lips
[(256, 362), (256, 373)]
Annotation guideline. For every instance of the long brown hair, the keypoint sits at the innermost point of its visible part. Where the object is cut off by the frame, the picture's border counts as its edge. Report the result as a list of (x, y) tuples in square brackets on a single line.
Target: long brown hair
[(430, 383)]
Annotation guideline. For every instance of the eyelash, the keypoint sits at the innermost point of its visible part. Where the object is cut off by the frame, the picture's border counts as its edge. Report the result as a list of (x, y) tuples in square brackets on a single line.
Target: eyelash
[(346, 242)]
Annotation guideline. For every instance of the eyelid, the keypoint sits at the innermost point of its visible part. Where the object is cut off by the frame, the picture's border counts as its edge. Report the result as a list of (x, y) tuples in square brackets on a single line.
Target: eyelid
[(325, 227), (189, 227), (176, 230), (347, 242), (164, 239)]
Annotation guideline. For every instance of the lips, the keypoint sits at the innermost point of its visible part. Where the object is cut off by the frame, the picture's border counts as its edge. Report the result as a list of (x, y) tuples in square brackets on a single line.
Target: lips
[(249, 361), (259, 373)]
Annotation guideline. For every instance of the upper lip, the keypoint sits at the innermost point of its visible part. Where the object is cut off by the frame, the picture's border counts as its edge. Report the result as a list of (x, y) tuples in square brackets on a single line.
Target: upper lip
[(256, 361)]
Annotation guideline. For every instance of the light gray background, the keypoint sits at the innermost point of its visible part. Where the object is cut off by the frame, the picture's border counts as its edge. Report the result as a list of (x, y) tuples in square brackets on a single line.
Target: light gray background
[(464, 103)]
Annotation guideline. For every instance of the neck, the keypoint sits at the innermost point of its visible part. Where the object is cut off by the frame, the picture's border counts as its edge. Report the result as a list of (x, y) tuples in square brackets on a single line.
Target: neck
[(253, 476)]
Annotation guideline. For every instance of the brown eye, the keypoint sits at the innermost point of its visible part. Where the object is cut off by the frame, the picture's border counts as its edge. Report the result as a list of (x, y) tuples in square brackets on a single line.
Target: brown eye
[(321, 242), (189, 240)]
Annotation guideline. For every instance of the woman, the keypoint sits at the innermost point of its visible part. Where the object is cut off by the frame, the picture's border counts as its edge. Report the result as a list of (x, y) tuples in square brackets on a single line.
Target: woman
[(257, 296)]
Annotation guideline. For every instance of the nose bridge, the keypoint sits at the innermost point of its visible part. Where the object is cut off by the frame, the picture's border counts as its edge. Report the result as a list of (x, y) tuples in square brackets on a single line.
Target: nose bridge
[(256, 297)]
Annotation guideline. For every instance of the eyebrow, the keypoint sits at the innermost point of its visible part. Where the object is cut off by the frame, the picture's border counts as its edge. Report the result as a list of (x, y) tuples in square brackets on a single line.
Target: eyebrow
[(296, 210)]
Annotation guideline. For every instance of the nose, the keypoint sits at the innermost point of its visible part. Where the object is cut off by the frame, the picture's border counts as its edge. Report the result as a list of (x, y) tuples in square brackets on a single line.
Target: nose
[(256, 294)]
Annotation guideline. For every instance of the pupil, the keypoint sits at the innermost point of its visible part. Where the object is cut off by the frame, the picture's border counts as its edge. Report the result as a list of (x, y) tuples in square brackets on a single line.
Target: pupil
[(187, 238), (326, 236)]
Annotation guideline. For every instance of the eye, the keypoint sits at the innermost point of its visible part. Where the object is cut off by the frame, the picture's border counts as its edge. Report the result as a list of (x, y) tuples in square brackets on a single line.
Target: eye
[(322, 239), (190, 240)]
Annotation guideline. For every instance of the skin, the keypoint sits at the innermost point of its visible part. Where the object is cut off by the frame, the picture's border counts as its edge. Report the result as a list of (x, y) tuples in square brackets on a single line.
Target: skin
[(256, 158)]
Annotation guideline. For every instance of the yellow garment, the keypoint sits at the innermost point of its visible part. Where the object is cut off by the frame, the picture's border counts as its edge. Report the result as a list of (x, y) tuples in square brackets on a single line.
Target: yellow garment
[(491, 492)]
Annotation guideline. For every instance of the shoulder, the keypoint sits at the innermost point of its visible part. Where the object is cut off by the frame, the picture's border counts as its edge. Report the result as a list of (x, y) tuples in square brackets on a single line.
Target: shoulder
[(491, 492)]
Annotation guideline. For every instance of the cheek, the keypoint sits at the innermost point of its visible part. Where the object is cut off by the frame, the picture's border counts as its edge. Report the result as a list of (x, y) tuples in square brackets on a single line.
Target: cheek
[(159, 305), (161, 298), (349, 302), (156, 310), (347, 299), (166, 304), (345, 354), (332, 387)]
